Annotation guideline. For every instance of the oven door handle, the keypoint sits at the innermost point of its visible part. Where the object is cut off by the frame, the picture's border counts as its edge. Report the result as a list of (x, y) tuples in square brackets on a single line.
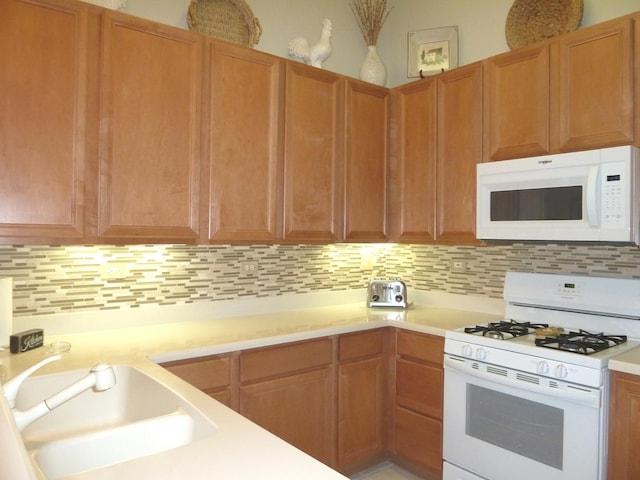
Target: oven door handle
[(567, 391)]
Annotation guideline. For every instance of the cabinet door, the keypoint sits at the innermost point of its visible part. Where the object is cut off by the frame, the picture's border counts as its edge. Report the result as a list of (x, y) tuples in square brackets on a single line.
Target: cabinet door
[(289, 390), (516, 104), (245, 168), (360, 403), (361, 399), (150, 139), (297, 408), (459, 149), (43, 100), (313, 139), (624, 427), (367, 114), (412, 180), (592, 87)]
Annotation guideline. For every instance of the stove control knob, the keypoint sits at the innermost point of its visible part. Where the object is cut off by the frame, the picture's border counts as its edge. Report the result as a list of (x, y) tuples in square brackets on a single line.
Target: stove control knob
[(481, 354), (467, 351), (560, 371), (542, 367)]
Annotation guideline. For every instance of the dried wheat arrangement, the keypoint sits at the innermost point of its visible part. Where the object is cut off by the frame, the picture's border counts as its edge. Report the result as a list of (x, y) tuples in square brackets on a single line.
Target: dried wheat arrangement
[(370, 15)]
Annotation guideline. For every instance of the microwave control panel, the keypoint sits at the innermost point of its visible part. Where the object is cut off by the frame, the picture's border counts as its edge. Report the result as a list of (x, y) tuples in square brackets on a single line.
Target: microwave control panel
[(613, 190)]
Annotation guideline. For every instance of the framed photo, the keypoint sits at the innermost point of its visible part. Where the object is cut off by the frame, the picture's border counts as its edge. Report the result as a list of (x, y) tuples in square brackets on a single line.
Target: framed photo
[(432, 51)]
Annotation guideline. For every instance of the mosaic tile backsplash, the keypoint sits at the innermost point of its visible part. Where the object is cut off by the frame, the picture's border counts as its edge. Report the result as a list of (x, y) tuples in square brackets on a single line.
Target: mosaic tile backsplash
[(61, 279)]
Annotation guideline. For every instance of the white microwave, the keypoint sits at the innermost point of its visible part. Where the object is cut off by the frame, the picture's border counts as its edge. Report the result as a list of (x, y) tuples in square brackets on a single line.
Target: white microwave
[(579, 196)]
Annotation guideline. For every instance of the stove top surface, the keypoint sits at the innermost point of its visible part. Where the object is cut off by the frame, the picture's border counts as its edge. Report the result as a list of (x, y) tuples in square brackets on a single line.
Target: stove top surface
[(572, 345)]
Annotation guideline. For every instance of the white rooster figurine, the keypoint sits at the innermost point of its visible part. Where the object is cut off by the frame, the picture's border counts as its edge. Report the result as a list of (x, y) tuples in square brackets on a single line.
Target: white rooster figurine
[(315, 55)]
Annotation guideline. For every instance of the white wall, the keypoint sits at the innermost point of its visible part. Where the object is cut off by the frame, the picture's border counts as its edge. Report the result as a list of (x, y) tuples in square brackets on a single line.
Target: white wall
[(480, 25)]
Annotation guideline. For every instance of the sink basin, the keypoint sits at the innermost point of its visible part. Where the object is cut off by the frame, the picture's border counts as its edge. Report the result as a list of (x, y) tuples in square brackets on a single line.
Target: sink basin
[(137, 417), (100, 449)]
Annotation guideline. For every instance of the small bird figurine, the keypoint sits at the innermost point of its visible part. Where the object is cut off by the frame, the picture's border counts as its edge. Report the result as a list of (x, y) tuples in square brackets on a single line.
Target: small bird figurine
[(318, 53)]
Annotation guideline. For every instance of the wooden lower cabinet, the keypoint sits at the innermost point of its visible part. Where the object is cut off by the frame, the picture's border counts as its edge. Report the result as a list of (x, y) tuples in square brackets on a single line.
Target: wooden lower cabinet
[(418, 402), (296, 408), (289, 390), (331, 397), (361, 400), (624, 427), (210, 374), (419, 441)]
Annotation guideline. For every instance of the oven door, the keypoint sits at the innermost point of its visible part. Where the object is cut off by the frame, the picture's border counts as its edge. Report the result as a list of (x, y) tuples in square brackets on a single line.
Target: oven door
[(502, 427)]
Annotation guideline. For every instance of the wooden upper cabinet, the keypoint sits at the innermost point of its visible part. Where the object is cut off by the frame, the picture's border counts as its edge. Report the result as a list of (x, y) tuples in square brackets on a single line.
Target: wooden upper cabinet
[(43, 90), (516, 103), (412, 179), (312, 168), (246, 91), (365, 168), (459, 149), (151, 97), (592, 87)]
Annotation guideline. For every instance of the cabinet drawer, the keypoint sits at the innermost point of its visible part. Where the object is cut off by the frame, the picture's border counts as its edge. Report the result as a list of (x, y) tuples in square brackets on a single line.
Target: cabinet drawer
[(419, 440), (360, 345), (428, 348), (205, 373), (283, 360), (419, 387)]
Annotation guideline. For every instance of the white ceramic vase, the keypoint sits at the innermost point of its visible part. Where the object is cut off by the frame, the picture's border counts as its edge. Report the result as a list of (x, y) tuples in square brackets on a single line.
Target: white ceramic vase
[(373, 69)]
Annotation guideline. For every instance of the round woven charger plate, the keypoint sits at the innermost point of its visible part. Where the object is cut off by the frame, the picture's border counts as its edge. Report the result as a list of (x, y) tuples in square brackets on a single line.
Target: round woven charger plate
[(530, 21), (230, 20)]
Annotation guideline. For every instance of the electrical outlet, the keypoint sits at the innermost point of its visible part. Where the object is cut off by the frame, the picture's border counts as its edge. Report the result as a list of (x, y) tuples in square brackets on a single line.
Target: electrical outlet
[(458, 266), (249, 268), (114, 271)]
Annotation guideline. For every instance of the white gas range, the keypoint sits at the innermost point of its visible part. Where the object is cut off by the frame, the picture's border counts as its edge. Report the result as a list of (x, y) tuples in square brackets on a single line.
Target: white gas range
[(532, 390)]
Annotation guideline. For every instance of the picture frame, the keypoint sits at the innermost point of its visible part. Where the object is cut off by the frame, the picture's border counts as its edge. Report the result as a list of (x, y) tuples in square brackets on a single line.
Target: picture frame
[(432, 51)]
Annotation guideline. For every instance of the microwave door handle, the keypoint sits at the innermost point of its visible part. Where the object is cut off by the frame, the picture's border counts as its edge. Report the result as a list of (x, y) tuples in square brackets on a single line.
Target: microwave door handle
[(592, 196)]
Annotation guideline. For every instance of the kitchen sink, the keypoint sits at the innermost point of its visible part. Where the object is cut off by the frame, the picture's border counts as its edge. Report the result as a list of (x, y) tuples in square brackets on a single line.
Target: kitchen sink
[(60, 458), (137, 417)]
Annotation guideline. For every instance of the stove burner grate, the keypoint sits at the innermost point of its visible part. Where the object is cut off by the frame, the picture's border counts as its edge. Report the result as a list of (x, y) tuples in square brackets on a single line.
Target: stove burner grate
[(582, 342), (505, 329)]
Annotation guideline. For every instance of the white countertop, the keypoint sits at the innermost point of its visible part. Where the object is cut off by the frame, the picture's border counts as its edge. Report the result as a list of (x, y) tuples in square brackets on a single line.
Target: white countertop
[(239, 449), (628, 362)]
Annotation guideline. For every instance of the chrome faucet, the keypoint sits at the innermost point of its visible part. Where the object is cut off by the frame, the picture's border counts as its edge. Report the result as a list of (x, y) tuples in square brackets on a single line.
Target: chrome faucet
[(100, 378)]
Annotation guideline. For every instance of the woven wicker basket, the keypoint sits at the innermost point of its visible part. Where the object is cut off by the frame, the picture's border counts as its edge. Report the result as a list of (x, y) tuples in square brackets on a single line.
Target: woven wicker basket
[(230, 20), (530, 21)]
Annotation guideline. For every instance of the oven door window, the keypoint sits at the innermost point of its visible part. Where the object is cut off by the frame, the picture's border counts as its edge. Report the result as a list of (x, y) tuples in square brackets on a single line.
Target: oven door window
[(522, 426)]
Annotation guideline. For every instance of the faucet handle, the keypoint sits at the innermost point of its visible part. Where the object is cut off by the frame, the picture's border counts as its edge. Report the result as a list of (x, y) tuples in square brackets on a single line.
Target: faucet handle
[(12, 386)]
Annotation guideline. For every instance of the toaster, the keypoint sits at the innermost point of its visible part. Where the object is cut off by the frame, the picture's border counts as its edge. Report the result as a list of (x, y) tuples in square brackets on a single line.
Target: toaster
[(390, 292)]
